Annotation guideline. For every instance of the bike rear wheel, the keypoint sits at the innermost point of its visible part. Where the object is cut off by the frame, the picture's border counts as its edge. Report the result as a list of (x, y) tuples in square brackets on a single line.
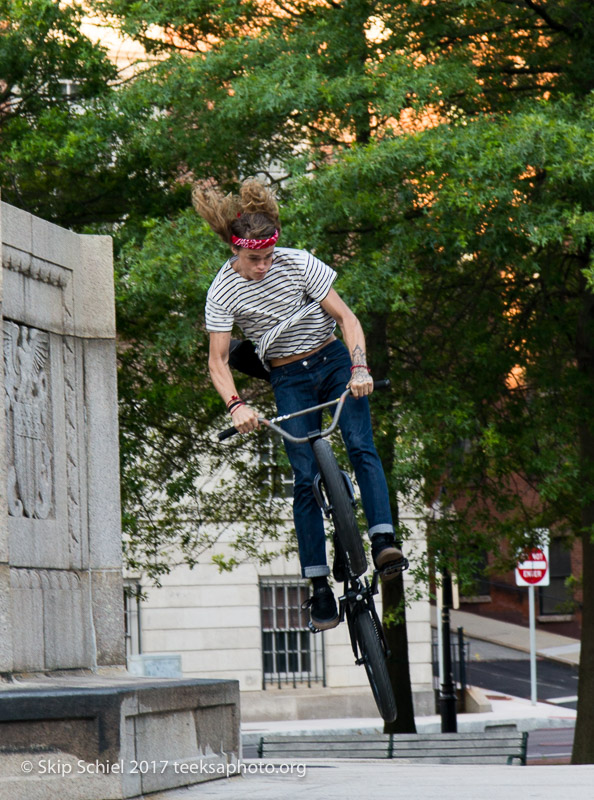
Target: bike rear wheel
[(373, 657), (343, 514)]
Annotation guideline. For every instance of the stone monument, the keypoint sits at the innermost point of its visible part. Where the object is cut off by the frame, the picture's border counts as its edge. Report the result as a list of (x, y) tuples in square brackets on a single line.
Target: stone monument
[(73, 722)]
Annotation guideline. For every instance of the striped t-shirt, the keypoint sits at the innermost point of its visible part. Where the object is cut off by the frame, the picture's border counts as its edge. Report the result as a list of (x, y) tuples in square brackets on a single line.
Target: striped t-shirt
[(281, 314)]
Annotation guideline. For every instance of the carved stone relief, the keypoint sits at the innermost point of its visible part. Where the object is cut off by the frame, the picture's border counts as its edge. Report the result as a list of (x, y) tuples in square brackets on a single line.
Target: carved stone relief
[(72, 461), (29, 425)]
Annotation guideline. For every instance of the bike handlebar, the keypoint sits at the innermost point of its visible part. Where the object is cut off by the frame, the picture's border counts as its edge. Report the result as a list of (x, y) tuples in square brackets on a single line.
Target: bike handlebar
[(339, 402)]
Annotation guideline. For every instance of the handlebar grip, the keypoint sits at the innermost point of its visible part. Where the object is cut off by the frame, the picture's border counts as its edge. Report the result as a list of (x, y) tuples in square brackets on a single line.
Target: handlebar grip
[(384, 383), (227, 434)]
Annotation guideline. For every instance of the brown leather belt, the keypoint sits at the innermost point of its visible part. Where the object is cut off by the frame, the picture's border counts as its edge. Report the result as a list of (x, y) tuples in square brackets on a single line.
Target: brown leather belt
[(279, 362)]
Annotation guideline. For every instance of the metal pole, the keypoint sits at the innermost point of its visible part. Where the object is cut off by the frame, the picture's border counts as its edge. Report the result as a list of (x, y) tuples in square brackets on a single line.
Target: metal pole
[(461, 660), (138, 616), (533, 691), (439, 607), (447, 698)]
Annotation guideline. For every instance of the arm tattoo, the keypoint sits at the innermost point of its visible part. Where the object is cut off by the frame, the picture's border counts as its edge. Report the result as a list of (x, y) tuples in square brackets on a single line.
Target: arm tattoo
[(358, 356)]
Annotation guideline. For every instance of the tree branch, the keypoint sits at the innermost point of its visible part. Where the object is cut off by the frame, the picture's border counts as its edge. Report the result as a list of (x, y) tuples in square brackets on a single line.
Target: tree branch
[(542, 13), (554, 68), (288, 11)]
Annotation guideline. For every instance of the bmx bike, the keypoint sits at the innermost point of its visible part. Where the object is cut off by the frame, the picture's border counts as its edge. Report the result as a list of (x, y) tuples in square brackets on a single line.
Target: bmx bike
[(335, 496)]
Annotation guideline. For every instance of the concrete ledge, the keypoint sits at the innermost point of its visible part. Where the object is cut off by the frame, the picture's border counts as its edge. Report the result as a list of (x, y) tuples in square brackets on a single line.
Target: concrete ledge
[(318, 702), (92, 738), (306, 703), (476, 701)]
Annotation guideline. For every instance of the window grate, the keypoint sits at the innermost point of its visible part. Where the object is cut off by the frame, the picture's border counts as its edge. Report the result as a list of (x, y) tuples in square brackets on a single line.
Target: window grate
[(291, 653)]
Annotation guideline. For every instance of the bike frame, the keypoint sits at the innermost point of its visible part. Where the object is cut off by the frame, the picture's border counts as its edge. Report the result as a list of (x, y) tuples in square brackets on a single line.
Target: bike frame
[(357, 593)]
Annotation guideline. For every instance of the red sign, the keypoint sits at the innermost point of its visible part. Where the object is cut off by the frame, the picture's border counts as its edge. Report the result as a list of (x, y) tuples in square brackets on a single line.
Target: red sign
[(534, 569)]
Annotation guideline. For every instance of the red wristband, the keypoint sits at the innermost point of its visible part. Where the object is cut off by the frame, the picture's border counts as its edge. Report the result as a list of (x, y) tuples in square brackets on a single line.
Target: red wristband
[(233, 398), (360, 366), (235, 406)]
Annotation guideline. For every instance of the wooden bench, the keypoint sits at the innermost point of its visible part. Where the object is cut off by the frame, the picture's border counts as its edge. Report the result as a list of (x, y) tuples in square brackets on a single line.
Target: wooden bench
[(482, 747)]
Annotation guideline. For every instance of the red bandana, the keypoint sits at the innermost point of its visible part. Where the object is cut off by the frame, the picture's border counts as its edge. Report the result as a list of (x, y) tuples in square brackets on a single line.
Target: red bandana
[(255, 244)]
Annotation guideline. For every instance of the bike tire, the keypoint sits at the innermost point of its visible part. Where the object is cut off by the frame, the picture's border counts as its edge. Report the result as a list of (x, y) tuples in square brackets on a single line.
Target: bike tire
[(343, 514), (372, 654)]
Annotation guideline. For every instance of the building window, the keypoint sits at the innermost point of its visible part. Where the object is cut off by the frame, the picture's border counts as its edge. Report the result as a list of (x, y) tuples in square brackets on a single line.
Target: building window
[(277, 471), (478, 587), (291, 653), (69, 89), (557, 598), (132, 618)]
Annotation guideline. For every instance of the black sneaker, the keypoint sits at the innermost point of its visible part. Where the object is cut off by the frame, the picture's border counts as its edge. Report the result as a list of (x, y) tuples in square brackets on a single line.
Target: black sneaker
[(387, 558), (322, 609)]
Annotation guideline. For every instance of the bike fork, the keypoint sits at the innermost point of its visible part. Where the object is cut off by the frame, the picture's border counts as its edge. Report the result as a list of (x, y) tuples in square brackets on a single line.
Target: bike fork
[(321, 499), (358, 599)]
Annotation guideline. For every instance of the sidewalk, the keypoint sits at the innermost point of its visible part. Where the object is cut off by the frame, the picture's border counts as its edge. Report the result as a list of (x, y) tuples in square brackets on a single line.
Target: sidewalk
[(354, 779), (548, 645), (506, 710), (393, 780)]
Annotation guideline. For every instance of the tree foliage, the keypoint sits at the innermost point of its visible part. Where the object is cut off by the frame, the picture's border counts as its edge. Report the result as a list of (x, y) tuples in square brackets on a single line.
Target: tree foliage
[(478, 265), (439, 154), (70, 144)]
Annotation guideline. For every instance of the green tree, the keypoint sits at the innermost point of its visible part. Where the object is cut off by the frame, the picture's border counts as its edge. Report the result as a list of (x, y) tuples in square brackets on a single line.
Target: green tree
[(63, 123), (442, 235)]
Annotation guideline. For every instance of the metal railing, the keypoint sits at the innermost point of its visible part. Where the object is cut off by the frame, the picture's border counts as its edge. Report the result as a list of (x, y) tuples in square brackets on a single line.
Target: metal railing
[(460, 654)]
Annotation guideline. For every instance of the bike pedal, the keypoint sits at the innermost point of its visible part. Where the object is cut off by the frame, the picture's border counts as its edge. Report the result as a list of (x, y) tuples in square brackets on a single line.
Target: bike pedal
[(394, 568), (313, 628)]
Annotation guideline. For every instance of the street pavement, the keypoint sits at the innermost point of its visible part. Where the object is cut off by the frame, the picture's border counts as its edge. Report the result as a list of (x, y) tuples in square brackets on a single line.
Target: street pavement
[(491, 667)]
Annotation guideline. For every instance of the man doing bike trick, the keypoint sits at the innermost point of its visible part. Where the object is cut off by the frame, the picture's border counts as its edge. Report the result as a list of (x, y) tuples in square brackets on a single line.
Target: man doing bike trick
[(284, 302)]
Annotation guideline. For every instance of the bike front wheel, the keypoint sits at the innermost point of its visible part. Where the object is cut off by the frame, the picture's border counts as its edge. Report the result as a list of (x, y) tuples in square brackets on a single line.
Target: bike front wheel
[(373, 658), (342, 511)]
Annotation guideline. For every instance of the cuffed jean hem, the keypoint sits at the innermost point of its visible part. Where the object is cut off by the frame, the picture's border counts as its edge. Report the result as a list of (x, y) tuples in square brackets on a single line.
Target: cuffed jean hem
[(379, 529), (316, 572)]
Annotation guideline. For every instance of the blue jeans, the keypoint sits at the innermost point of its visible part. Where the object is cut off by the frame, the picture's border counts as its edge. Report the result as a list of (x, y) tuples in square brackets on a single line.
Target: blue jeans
[(305, 383)]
